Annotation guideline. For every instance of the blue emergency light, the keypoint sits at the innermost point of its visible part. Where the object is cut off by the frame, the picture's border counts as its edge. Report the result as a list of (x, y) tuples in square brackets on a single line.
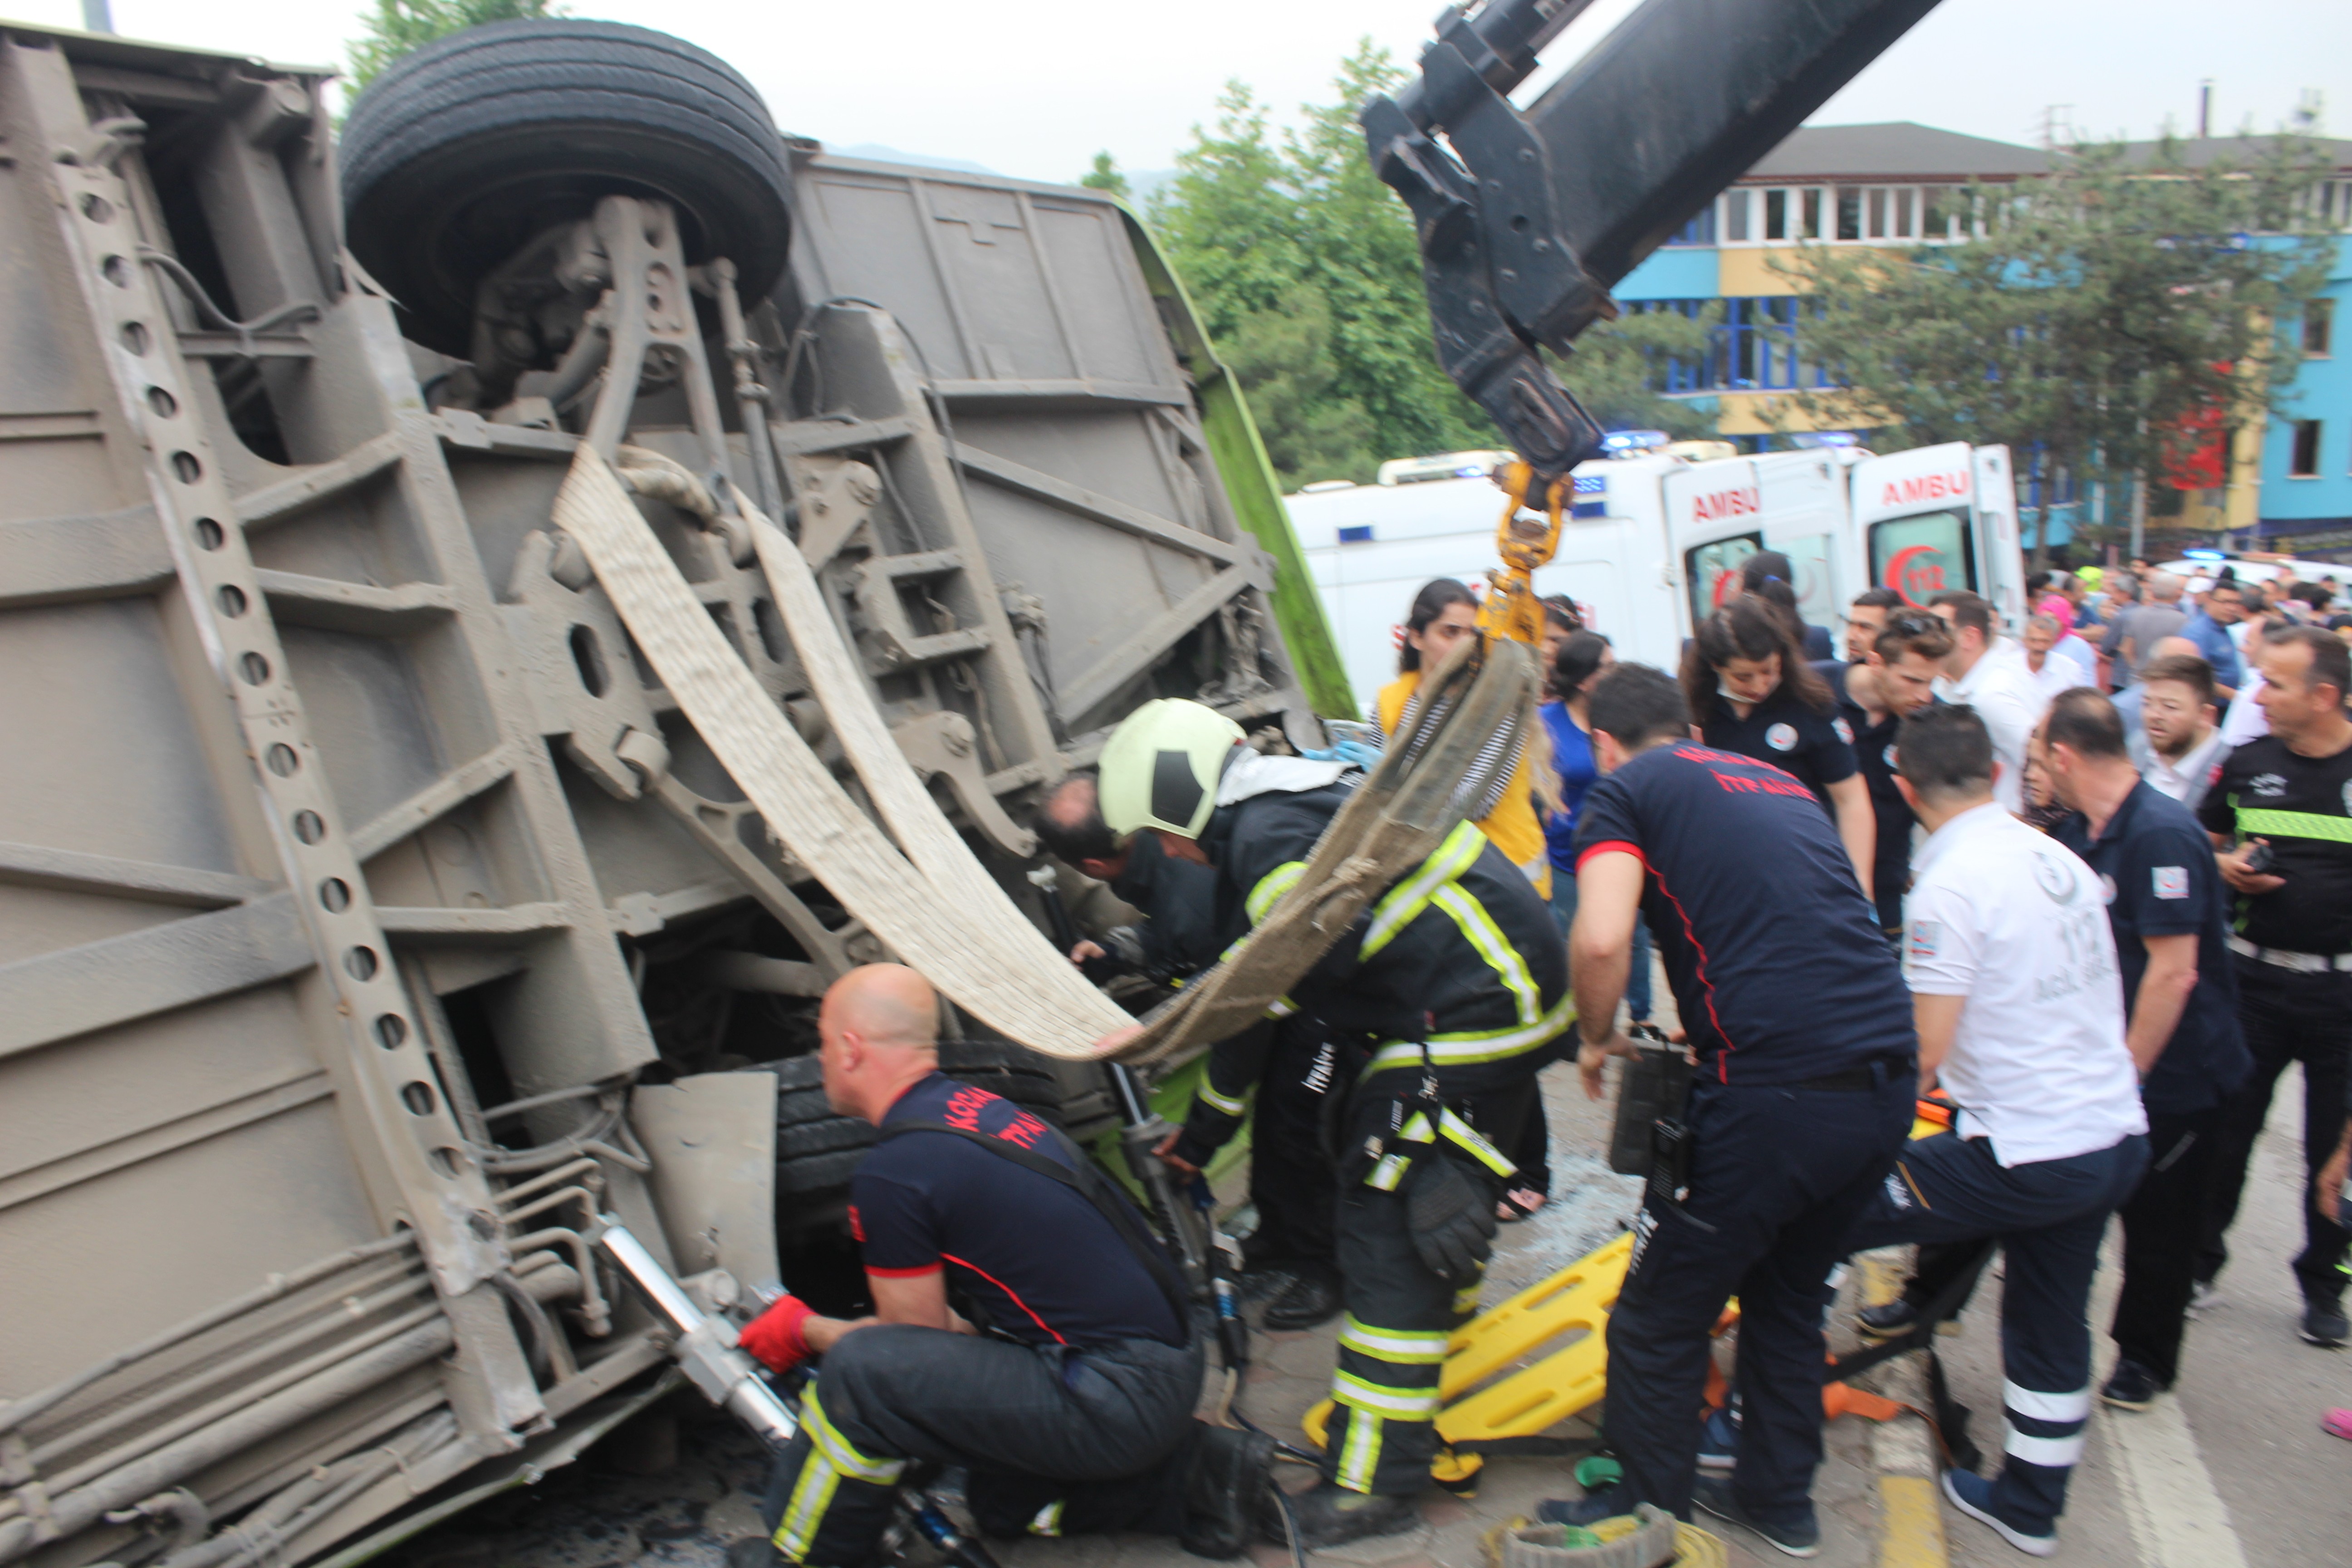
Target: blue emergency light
[(1625, 443), (2203, 555)]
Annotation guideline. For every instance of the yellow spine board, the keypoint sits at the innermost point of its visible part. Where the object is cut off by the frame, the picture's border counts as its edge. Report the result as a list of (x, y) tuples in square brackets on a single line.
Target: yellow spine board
[(1535, 1398)]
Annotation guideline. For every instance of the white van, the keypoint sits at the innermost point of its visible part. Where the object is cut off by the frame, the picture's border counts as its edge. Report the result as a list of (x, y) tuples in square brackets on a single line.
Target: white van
[(1653, 542)]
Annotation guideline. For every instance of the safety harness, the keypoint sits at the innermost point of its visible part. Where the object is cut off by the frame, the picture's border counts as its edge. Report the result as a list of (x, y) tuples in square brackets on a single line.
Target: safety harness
[(1087, 1179)]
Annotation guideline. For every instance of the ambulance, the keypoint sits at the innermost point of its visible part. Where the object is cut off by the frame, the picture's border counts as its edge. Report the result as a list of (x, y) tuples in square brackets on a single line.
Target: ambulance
[(1655, 542)]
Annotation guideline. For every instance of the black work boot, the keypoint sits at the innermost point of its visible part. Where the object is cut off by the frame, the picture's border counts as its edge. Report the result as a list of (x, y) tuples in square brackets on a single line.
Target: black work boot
[(1226, 1483), (2323, 1323), (1888, 1320), (1312, 1298), (1328, 1515), (753, 1551)]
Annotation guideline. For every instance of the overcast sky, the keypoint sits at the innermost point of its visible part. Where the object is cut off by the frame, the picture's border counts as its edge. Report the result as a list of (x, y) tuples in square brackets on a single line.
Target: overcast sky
[(1033, 89)]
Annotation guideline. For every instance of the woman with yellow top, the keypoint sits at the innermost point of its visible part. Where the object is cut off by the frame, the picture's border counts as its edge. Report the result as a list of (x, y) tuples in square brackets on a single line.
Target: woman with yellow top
[(1443, 613)]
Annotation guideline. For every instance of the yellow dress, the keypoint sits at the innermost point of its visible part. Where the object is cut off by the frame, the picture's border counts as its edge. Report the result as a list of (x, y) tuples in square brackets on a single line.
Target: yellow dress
[(1513, 825)]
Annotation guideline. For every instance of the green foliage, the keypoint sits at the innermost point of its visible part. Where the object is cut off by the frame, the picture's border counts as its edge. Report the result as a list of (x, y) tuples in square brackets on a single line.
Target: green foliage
[(399, 27), (1283, 358), (1306, 276), (1105, 175), (2106, 312)]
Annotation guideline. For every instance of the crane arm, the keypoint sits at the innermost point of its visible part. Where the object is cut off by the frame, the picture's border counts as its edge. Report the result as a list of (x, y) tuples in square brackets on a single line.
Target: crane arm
[(1526, 219)]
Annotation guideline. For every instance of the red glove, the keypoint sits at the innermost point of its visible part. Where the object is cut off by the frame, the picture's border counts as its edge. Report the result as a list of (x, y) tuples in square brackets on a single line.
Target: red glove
[(777, 1337)]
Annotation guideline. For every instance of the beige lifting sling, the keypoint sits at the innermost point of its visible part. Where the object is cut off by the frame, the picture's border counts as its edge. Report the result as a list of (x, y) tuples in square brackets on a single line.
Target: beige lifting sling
[(935, 905)]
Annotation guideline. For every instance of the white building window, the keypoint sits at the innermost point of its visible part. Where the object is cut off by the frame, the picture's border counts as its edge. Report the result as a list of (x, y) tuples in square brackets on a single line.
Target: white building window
[(1843, 215)]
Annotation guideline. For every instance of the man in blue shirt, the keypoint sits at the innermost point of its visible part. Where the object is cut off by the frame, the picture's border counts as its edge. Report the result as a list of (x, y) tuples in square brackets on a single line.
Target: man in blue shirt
[(2169, 910), (2208, 628), (1804, 1042)]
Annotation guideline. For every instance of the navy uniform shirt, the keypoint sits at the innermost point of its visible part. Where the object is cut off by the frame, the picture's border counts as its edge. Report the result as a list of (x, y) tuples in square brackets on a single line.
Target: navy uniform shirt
[(1779, 968), (1874, 756), (2156, 871), (1037, 1257), (1179, 900), (1815, 749)]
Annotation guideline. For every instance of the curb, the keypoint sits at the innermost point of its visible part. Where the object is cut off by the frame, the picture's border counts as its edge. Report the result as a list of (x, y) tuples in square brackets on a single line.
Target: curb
[(1903, 1451)]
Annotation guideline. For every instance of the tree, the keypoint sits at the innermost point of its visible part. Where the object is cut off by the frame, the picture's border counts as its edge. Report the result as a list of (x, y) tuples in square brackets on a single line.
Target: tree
[(1307, 273), (1362, 252), (399, 27), (2114, 312), (1306, 276), (1105, 175), (1282, 357)]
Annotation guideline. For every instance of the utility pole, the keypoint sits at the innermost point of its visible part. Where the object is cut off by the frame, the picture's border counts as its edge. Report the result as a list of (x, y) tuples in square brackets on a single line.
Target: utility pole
[(2205, 109)]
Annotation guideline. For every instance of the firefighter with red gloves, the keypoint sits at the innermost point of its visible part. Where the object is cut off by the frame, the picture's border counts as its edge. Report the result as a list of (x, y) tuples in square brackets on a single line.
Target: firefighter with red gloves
[(779, 1338), (1065, 1385)]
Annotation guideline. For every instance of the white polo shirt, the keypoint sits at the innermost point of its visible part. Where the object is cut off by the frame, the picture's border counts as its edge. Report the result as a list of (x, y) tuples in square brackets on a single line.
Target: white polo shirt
[(2010, 700), (2017, 925)]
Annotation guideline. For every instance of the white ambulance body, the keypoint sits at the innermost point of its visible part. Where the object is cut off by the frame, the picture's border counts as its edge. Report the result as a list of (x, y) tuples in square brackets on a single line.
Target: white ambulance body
[(1370, 548), (1655, 542)]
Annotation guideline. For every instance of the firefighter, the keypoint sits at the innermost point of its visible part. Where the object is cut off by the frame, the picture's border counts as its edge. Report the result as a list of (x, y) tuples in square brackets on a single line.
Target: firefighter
[(1290, 1062), (1449, 990), (1072, 1408)]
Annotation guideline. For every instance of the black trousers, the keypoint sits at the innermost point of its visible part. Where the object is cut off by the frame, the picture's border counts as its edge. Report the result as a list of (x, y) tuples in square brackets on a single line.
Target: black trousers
[(1399, 1313), (1057, 1440), (1291, 1179), (2049, 1216), (2287, 1017), (2163, 1223), (1779, 1175)]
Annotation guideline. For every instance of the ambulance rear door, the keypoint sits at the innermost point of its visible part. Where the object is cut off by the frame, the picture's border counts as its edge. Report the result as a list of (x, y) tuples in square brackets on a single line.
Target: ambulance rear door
[(1805, 515), (1921, 531), (1714, 522), (1998, 538)]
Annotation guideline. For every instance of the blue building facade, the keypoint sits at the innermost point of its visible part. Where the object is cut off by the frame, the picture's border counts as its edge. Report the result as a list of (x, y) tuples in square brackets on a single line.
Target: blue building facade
[(2306, 455), (1901, 184)]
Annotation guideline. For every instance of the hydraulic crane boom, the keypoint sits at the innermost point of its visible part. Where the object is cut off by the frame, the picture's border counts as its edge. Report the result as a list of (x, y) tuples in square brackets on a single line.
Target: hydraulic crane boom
[(1526, 220)]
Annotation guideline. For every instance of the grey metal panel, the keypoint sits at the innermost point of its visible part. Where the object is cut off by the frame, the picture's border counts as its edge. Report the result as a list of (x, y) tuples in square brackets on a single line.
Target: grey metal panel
[(89, 987), (69, 1255), (1088, 477), (98, 684)]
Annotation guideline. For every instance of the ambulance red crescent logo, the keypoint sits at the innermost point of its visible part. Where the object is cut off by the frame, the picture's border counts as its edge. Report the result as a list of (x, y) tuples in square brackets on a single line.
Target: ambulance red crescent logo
[(1899, 573)]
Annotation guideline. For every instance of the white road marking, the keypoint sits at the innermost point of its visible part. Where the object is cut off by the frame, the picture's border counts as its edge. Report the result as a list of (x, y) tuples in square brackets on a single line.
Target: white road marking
[(2176, 1517)]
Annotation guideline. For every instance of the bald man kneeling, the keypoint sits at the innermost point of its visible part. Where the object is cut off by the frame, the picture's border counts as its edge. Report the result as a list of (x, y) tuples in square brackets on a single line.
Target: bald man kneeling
[(1072, 1403)]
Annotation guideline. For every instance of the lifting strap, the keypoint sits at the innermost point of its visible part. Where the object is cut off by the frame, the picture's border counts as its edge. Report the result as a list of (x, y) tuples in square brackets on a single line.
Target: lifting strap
[(960, 931), (934, 905)]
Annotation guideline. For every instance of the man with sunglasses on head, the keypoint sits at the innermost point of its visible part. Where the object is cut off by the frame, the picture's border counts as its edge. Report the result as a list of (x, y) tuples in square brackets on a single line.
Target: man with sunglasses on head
[(1893, 676)]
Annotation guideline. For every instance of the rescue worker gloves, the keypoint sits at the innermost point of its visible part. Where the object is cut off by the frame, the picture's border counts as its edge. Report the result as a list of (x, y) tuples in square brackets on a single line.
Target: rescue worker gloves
[(1451, 1215), (1161, 767), (777, 1338)]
